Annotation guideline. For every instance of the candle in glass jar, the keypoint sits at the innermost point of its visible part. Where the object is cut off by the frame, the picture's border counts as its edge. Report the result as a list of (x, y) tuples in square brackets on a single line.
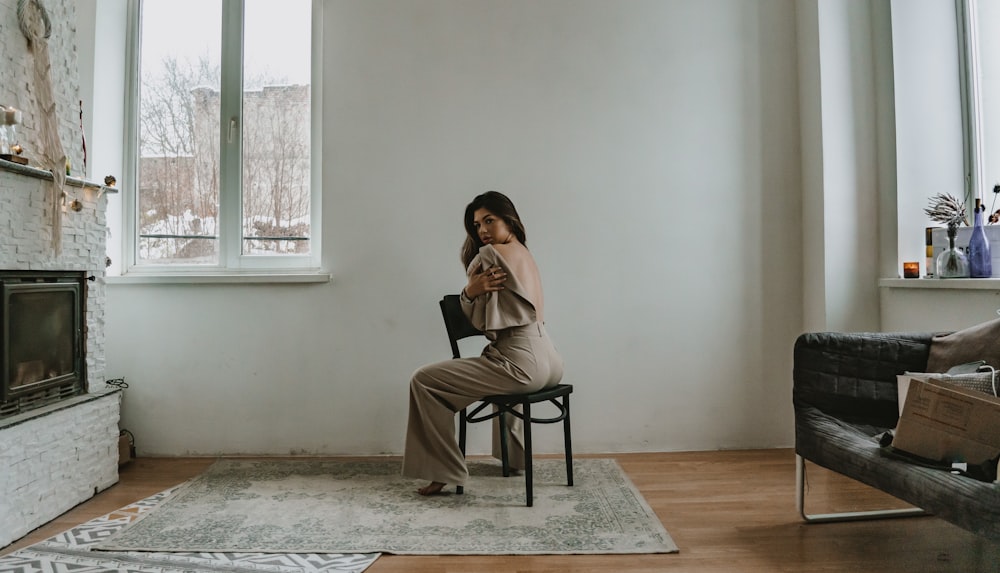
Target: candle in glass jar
[(911, 270)]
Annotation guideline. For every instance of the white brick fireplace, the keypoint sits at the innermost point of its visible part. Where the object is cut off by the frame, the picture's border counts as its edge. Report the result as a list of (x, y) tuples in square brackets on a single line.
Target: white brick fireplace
[(54, 457), (58, 455)]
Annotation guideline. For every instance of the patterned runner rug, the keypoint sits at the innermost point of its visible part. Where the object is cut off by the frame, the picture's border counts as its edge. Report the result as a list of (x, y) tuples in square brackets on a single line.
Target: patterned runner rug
[(70, 551), (323, 506)]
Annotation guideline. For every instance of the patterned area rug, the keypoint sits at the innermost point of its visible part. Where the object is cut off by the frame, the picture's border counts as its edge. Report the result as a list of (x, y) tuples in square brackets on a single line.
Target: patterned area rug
[(322, 506), (70, 551)]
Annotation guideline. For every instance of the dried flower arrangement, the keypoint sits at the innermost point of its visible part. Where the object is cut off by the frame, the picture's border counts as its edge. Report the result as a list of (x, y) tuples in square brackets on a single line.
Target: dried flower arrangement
[(945, 208)]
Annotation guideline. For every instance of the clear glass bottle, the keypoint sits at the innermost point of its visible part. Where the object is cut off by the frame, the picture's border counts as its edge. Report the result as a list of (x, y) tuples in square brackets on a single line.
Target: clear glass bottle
[(952, 263), (980, 261)]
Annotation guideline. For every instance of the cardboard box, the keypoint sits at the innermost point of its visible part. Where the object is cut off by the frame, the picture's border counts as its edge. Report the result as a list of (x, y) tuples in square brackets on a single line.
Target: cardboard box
[(947, 423), (902, 388)]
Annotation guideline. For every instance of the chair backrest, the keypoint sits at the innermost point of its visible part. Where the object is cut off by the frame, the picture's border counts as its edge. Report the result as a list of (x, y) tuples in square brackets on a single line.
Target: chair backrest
[(456, 322)]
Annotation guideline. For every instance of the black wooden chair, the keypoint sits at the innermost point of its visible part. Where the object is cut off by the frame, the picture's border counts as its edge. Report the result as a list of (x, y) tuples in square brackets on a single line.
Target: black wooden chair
[(459, 327)]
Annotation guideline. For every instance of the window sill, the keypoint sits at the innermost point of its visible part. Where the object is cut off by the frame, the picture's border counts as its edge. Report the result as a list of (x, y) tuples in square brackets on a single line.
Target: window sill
[(303, 277), (949, 284)]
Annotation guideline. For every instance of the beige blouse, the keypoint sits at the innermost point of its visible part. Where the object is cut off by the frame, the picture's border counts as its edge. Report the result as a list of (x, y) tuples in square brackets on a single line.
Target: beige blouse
[(501, 309)]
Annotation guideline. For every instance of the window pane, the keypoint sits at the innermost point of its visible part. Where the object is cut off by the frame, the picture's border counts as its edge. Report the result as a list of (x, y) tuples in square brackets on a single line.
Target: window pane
[(989, 86), (178, 187), (276, 127)]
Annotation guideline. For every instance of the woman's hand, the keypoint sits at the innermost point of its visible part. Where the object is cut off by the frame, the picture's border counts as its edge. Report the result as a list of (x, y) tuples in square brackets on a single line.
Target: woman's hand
[(484, 281)]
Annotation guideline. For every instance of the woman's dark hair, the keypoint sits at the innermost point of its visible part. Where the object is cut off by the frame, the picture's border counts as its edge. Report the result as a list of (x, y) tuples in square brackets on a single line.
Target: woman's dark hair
[(498, 204)]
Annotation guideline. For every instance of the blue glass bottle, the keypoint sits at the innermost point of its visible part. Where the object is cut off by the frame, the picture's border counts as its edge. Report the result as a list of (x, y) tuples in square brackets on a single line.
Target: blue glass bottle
[(980, 261)]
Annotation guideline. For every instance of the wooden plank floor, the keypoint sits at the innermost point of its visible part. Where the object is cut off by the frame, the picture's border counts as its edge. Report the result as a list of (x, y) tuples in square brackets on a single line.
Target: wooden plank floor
[(727, 511)]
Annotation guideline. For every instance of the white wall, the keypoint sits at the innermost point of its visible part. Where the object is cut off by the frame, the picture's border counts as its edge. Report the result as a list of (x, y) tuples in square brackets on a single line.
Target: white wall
[(652, 148), (811, 141), (840, 165), (850, 190)]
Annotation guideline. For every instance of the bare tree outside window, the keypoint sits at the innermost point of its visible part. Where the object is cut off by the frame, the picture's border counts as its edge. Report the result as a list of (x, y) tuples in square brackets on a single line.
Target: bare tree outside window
[(276, 170), (179, 162)]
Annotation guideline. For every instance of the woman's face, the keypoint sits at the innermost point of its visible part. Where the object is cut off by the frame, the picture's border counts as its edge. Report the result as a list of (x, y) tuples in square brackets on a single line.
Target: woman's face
[(490, 228)]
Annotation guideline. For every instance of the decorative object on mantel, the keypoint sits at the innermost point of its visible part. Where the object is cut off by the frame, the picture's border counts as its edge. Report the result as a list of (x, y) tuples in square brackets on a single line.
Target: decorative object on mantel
[(980, 259), (945, 208), (36, 27), (14, 159), (10, 150)]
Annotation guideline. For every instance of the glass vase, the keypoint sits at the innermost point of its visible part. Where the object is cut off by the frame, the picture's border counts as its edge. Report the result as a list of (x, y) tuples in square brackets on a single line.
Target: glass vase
[(980, 261), (952, 263)]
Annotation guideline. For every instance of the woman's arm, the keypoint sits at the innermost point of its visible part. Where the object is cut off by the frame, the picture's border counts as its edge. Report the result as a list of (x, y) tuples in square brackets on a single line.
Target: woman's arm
[(481, 281)]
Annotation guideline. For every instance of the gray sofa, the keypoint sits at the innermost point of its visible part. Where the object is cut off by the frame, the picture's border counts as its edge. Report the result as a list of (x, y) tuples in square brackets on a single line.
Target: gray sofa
[(844, 396)]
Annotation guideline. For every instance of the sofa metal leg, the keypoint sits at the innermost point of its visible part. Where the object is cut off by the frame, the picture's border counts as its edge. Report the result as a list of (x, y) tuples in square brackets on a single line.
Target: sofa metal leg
[(800, 497)]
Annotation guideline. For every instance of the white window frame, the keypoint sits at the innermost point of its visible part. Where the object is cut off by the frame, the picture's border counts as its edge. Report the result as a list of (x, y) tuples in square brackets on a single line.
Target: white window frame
[(971, 97), (232, 263)]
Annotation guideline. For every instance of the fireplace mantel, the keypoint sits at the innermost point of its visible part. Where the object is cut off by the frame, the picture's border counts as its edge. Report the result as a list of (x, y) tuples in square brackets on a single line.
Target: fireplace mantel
[(37, 173), (49, 409)]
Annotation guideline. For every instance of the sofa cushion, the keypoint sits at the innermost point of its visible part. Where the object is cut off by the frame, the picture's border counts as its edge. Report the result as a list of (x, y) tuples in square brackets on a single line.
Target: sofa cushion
[(980, 342), (853, 375)]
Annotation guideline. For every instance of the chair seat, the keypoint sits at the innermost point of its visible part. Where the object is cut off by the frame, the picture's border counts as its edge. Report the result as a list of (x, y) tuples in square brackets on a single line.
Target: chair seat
[(507, 404), (547, 394)]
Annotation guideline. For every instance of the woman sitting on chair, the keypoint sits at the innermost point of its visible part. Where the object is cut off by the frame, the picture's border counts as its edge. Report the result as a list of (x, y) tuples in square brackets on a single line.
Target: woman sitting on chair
[(503, 298)]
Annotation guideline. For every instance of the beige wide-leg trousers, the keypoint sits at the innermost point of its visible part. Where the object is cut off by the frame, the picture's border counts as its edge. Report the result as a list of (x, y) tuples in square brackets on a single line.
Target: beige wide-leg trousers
[(521, 359)]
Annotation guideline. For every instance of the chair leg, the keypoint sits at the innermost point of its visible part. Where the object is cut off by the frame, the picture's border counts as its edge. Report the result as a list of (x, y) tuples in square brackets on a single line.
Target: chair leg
[(504, 450), (568, 443), (800, 474), (461, 442), (528, 484)]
